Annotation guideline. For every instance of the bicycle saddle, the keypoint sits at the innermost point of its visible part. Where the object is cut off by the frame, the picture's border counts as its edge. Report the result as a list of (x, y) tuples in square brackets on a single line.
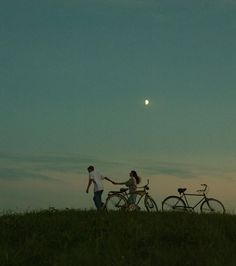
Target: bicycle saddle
[(181, 190), (123, 189), (113, 192)]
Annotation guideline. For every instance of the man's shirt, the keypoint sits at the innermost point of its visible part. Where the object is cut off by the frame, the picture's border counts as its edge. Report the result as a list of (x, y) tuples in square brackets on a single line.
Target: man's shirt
[(97, 180)]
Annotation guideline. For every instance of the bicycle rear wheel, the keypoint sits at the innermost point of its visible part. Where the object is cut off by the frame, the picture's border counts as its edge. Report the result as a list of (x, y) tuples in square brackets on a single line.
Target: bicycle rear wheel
[(116, 202), (150, 204), (173, 203), (212, 206)]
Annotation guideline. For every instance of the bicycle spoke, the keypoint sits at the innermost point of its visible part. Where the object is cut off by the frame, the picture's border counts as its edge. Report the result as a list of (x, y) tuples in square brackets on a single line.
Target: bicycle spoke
[(173, 203), (150, 204), (116, 202), (212, 206)]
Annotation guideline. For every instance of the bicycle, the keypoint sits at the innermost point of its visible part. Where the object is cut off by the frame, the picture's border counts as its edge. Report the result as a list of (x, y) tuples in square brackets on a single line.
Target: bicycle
[(118, 200), (180, 203)]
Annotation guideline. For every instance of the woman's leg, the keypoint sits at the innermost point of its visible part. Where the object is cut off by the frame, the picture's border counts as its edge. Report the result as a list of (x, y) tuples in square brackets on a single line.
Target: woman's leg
[(132, 198)]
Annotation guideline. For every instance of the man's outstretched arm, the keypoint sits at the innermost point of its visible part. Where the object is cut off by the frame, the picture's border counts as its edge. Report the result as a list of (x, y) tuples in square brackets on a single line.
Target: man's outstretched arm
[(108, 179)]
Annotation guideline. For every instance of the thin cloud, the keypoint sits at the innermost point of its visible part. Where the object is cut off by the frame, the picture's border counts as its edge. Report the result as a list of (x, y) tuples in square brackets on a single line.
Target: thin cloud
[(170, 170), (126, 3), (134, 4), (188, 171), (11, 165), (116, 4), (10, 174), (44, 167)]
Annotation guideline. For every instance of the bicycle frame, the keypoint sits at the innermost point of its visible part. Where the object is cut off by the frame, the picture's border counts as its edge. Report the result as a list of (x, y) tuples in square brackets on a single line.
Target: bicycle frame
[(183, 196), (140, 194), (181, 202)]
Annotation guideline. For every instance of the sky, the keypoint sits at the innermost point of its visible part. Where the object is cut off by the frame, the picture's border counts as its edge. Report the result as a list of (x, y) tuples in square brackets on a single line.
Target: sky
[(74, 75)]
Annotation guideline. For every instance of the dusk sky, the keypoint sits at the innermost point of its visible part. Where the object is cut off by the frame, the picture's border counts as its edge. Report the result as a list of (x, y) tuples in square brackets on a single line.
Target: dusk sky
[(74, 75)]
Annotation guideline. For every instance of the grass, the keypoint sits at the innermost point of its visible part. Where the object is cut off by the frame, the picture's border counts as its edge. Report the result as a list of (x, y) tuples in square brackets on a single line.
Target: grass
[(75, 237)]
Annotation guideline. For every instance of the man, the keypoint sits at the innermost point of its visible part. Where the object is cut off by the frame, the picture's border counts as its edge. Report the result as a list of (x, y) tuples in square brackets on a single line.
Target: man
[(96, 179)]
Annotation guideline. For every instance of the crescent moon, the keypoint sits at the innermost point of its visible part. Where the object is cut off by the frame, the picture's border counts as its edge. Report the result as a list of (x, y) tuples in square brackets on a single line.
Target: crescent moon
[(146, 102)]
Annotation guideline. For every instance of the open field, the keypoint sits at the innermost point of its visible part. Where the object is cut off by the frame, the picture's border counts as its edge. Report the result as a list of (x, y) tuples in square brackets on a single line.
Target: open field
[(75, 237)]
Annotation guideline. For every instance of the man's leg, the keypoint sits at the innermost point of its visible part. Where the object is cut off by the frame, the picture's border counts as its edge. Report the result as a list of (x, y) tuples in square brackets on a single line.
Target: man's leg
[(102, 203), (98, 199), (95, 199)]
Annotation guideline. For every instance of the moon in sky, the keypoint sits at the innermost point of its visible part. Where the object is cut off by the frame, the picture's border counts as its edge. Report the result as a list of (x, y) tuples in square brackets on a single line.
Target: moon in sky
[(146, 102)]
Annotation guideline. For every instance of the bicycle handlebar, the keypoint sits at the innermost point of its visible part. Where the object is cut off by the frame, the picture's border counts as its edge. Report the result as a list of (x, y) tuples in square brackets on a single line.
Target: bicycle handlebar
[(146, 186), (204, 189)]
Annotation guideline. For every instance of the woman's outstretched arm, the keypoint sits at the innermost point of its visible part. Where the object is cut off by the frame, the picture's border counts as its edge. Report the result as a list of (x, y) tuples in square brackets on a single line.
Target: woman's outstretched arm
[(119, 183)]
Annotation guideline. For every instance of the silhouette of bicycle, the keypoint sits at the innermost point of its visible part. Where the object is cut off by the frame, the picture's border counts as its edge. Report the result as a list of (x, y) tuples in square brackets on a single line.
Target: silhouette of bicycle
[(180, 203), (118, 200)]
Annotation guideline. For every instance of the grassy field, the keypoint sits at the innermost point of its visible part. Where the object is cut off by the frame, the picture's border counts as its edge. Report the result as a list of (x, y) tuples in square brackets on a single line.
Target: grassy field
[(72, 237)]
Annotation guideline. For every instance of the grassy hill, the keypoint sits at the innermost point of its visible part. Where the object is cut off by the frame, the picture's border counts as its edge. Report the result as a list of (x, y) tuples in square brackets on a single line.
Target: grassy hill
[(72, 237)]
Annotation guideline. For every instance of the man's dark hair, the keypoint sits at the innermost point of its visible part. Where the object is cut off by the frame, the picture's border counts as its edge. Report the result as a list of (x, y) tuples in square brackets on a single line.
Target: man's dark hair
[(90, 168)]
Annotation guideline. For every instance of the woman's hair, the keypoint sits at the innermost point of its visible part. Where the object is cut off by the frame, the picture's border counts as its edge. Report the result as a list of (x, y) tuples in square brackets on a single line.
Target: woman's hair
[(135, 175)]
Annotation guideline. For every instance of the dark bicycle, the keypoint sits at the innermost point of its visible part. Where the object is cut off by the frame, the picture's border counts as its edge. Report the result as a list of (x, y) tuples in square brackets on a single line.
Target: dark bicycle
[(180, 203), (118, 200)]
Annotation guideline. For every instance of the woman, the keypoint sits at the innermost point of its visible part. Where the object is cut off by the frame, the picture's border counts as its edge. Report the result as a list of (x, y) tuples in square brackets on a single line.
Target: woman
[(132, 183)]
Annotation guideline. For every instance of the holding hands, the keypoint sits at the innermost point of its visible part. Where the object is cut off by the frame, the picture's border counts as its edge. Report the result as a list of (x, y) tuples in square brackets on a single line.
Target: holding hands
[(108, 179)]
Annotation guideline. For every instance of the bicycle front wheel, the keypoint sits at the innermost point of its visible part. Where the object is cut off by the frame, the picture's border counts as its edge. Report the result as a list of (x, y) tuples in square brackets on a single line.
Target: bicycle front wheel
[(150, 204), (116, 202), (173, 203), (212, 206)]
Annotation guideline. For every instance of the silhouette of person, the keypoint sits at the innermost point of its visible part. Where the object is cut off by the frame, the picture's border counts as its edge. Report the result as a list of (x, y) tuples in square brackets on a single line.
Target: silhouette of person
[(96, 178), (132, 183)]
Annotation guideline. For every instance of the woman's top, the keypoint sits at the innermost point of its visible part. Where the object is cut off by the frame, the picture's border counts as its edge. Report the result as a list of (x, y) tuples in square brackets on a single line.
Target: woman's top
[(131, 184)]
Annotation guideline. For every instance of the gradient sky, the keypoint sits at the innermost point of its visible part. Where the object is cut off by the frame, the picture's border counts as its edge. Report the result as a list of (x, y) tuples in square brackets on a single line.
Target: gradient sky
[(73, 78)]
